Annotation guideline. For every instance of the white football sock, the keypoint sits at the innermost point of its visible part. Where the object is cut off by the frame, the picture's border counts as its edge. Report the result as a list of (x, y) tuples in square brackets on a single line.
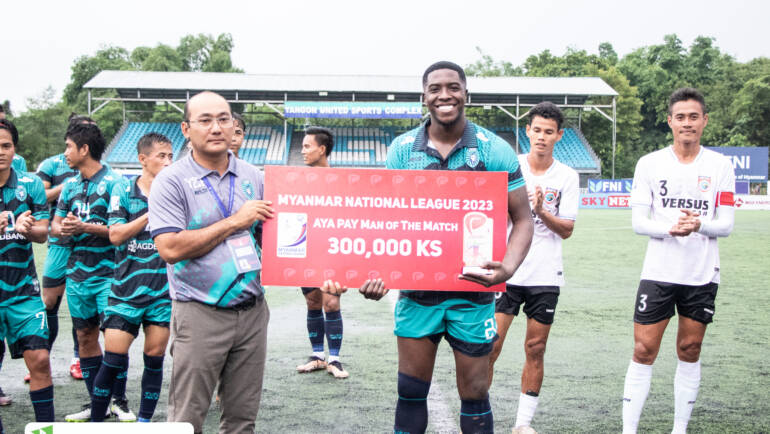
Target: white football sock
[(527, 407), (334, 358), (319, 354), (686, 383), (635, 390)]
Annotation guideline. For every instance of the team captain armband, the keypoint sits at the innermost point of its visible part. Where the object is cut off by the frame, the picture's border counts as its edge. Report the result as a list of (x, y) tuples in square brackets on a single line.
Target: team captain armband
[(725, 198)]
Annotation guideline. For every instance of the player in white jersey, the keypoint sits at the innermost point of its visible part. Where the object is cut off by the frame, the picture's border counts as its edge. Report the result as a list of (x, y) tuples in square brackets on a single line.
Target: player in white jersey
[(682, 198), (553, 193)]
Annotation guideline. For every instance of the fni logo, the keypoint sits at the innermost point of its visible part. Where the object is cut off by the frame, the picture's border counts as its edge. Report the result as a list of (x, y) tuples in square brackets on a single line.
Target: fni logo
[(44, 430)]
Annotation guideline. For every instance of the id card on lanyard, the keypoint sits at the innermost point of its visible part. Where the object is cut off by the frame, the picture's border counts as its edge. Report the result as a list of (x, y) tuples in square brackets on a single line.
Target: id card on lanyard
[(242, 249)]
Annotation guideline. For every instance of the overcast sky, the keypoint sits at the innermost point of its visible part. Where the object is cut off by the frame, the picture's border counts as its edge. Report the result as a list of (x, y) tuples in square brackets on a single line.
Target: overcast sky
[(40, 41)]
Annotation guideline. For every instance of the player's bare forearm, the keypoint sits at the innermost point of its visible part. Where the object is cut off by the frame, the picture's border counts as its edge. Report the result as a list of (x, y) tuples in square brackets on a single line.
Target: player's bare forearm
[(120, 233), (52, 194), (38, 233), (102, 231), (561, 227), (523, 228), (190, 244), (56, 227)]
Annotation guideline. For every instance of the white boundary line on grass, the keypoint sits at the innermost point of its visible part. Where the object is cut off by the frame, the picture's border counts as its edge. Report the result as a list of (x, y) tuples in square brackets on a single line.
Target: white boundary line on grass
[(440, 418)]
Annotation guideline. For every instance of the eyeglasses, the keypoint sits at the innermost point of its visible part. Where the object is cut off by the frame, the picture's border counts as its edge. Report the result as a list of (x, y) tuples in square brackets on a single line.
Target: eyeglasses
[(206, 123)]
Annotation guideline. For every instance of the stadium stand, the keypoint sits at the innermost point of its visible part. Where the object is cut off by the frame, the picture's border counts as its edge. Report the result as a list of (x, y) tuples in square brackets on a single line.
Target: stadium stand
[(265, 145), (354, 146), (122, 150), (262, 144), (573, 149)]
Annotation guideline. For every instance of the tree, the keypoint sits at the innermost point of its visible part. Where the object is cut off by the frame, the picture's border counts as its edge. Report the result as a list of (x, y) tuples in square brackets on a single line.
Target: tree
[(41, 128)]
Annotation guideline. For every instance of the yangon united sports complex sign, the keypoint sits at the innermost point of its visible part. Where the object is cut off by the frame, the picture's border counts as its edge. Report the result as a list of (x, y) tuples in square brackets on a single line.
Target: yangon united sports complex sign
[(353, 110)]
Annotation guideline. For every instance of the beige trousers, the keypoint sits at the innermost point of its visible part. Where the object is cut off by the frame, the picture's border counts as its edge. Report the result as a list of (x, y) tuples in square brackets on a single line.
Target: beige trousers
[(210, 345)]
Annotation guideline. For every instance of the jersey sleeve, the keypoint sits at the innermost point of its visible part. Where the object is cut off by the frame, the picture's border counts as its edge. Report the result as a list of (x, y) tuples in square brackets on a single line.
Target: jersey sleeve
[(641, 192), (502, 158), (19, 163), (45, 171), (119, 201), (726, 188), (394, 159), (166, 207), (568, 206), (63, 204), (39, 206)]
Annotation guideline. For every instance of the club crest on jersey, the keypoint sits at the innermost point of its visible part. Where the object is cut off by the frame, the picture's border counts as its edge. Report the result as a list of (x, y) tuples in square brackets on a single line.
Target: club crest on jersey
[(550, 195), (472, 157), (248, 189), (101, 188), (21, 193), (704, 183)]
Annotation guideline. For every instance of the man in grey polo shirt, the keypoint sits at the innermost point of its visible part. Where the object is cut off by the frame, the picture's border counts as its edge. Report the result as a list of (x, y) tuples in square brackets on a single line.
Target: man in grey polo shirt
[(203, 210)]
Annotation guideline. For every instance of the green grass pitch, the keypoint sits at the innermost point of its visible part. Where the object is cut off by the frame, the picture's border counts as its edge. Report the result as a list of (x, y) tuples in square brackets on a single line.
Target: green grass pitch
[(588, 352)]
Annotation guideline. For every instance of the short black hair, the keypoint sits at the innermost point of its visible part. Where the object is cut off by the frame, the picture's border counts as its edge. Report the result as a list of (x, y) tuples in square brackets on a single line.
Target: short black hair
[(147, 141), (686, 94), (5, 124), (75, 118), (237, 118), (546, 110), (444, 64), (88, 134), (323, 136)]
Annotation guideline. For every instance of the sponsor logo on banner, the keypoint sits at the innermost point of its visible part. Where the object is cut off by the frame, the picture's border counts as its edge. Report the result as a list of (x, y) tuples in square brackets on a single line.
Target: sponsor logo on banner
[(750, 202), (292, 235), (749, 163), (610, 185), (112, 428), (704, 183), (605, 201)]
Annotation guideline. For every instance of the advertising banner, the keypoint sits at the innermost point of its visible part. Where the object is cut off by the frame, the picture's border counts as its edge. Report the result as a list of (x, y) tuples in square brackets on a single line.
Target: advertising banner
[(752, 202), (750, 163), (414, 229), (353, 110), (609, 185), (605, 201)]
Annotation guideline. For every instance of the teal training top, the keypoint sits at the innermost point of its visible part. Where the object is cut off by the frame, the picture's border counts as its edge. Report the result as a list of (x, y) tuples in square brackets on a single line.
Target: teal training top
[(18, 279), (478, 150), (140, 272), (93, 257)]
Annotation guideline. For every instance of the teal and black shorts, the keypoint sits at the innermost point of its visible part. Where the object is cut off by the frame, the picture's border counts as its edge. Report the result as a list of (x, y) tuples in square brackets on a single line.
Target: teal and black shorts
[(24, 325), (55, 271), (123, 316), (87, 301), (470, 328)]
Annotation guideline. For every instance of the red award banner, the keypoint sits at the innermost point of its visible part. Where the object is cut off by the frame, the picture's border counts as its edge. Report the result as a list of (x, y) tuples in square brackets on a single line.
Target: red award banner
[(414, 229)]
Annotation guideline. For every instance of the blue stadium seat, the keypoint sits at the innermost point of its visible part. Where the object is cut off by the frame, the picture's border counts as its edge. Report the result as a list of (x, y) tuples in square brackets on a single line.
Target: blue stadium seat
[(262, 144)]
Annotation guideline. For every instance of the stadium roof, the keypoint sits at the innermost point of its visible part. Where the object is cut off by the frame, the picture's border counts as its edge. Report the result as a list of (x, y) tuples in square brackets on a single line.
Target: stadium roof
[(277, 88)]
